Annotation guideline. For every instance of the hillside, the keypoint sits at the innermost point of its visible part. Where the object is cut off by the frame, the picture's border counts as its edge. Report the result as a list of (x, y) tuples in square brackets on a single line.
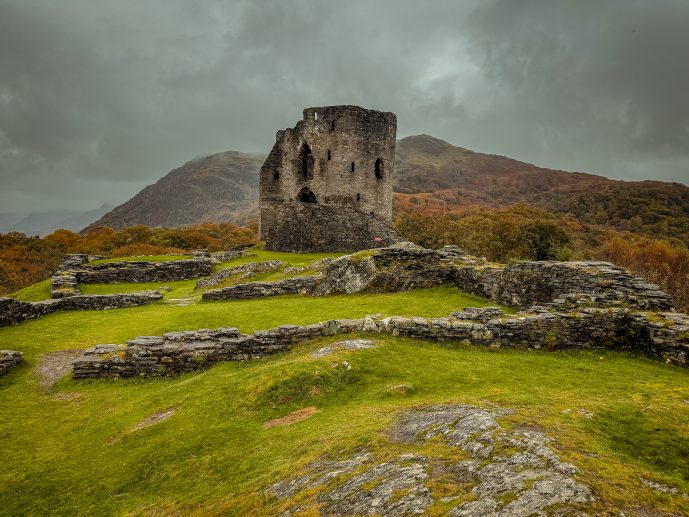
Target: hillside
[(335, 427), (434, 176), (222, 187), (431, 175)]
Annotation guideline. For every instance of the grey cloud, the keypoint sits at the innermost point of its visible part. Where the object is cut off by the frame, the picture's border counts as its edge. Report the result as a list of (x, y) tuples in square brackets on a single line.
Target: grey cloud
[(98, 99)]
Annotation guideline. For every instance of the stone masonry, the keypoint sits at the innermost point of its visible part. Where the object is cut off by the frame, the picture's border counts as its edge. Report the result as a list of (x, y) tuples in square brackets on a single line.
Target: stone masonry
[(663, 336), (405, 266), (327, 183), (9, 358), (14, 311), (75, 269)]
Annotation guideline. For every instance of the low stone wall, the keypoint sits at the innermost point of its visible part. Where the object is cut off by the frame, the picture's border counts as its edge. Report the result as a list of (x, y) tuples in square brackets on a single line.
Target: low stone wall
[(662, 336), (240, 272), (296, 285), (14, 311), (9, 358), (75, 269), (136, 272), (561, 284)]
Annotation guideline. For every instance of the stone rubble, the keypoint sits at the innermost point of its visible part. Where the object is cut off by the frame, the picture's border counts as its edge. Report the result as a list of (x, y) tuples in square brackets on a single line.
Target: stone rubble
[(349, 344), (8, 359)]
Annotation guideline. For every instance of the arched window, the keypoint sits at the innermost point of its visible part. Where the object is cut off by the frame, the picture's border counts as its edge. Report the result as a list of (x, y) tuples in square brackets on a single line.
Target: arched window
[(306, 161), (276, 176), (379, 168), (307, 196)]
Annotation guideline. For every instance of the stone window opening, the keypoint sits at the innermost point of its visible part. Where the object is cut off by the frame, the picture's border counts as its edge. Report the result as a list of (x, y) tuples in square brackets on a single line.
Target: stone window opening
[(352, 166), (329, 154), (332, 126), (276, 175), (379, 168), (307, 196), (358, 197), (315, 115), (307, 161)]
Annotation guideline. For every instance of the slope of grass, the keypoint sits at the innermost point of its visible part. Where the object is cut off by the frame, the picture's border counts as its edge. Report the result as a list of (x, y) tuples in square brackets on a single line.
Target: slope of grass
[(33, 293), (74, 449)]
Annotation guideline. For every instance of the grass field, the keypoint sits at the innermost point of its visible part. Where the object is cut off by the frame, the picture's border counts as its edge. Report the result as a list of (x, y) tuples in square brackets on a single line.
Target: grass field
[(74, 448)]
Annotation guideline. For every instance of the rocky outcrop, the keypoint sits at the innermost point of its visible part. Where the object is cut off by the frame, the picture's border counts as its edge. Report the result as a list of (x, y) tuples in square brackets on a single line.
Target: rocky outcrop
[(663, 336), (296, 285), (505, 471), (406, 266), (9, 358), (14, 311)]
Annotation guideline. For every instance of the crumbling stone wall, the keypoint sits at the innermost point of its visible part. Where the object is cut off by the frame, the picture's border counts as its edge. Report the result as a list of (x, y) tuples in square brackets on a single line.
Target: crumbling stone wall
[(14, 311), (661, 336), (75, 269), (9, 358), (340, 157), (406, 266)]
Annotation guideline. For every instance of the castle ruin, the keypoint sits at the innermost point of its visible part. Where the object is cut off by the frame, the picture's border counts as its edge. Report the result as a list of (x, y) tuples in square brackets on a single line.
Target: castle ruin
[(326, 185)]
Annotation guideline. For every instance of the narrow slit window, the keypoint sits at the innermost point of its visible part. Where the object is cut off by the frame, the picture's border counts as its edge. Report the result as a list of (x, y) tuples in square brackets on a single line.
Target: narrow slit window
[(329, 154), (379, 168), (315, 115), (352, 166), (332, 126), (276, 176), (358, 197)]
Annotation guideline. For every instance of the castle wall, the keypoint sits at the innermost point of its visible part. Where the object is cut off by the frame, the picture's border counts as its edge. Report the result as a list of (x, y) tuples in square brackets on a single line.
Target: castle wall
[(339, 157), (665, 338)]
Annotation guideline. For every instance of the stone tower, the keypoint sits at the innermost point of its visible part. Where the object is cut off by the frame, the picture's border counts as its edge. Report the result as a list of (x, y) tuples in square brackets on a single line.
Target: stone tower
[(327, 183)]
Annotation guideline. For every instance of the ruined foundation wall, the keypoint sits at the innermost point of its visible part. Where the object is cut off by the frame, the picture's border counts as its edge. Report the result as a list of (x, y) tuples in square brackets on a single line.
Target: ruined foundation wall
[(664, 337), (14, 311)]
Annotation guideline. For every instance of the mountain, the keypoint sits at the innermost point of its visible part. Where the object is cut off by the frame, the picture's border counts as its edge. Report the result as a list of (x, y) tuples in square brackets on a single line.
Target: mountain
[(45, 222), (431, 175), (435, 176), (222, 187)]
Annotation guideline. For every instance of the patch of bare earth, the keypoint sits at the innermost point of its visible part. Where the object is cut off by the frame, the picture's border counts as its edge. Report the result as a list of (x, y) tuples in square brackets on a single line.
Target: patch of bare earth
[(295, 416), (55, 365)]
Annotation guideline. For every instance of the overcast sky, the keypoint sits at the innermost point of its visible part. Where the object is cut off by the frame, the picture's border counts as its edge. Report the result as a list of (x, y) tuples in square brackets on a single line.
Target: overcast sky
[(99, 98)]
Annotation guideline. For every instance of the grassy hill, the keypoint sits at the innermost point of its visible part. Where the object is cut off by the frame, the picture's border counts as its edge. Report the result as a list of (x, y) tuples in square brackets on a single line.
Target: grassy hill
[(197, 444)]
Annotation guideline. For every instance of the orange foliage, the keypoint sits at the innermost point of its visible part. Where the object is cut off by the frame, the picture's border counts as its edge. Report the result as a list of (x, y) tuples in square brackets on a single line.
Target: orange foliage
[(658, 261), (27, 260)]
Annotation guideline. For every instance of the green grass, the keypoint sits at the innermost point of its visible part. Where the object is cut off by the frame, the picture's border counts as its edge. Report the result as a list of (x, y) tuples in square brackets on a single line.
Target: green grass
[(290, 259), (70, 450), (146, 258), (75, 456), (33, 293)]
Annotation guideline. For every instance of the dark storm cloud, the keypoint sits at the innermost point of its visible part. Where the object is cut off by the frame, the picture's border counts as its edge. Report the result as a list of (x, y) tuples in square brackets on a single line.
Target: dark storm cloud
[(98, 99)]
